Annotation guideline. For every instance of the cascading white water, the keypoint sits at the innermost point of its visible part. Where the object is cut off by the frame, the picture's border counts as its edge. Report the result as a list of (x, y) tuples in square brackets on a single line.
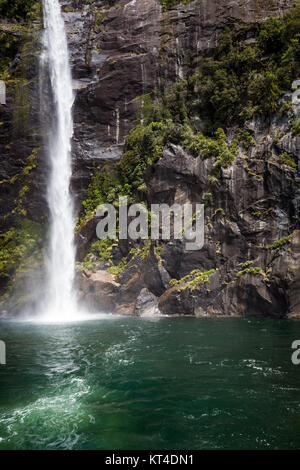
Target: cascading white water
[(60, 303)]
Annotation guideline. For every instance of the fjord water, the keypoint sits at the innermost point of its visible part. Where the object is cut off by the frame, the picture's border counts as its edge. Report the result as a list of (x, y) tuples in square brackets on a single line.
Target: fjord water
[(129, 383), (60, 301)]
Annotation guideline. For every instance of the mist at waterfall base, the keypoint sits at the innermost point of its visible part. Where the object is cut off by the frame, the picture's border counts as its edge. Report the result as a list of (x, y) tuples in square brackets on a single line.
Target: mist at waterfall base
[(132, 383)]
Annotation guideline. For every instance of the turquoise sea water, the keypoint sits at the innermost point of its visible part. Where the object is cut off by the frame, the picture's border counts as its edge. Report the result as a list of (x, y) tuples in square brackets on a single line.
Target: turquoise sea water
[(132, 383)]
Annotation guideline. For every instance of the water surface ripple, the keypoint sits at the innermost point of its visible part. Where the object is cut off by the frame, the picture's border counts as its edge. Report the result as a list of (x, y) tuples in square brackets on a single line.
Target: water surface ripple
[(129, 383)]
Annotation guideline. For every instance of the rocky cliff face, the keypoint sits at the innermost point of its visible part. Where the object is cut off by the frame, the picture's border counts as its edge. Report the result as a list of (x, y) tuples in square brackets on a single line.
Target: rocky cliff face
[(121, 54), (255, 202)]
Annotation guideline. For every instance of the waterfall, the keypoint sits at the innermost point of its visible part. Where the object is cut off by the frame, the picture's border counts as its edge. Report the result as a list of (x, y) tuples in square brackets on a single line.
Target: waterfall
[(60, 302)]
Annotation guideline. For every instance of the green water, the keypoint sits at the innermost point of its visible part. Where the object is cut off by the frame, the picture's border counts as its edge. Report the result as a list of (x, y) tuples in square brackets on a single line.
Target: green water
[(128, 383)]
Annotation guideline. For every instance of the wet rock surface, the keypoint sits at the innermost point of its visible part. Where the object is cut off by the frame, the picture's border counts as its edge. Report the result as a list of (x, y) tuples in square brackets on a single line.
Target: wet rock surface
[(98, 291), (125, 51), (255, 261), (253, 204)]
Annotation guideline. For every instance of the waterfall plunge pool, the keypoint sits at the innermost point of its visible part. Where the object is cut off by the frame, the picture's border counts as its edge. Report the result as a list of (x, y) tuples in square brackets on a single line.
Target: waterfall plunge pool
[(165, 383)]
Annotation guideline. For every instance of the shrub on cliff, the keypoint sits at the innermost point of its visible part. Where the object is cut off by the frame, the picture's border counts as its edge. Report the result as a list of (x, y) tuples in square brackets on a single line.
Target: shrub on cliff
[(16, 9), (243, 79)]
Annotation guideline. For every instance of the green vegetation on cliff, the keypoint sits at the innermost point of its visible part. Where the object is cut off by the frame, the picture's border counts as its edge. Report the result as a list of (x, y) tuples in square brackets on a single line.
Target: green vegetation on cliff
[(15, 9), (248, 73), (144, 146), (21, 244), (18, 37), (166, 4), (20, 252)]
